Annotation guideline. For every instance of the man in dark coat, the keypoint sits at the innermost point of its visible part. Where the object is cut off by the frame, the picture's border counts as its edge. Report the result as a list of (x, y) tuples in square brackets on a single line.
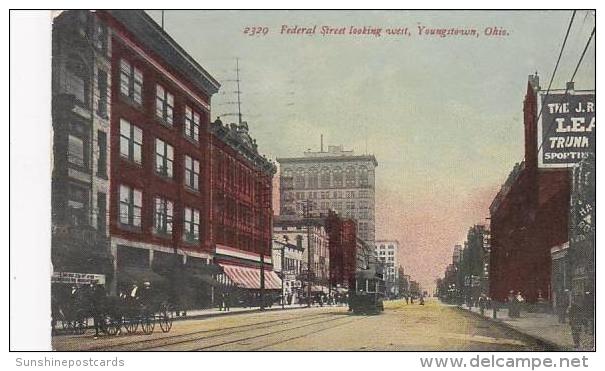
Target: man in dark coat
[(98, 299)]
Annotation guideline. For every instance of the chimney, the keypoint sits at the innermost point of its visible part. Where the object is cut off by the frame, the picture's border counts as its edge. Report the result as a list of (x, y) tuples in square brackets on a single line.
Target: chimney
[(570, 87), (534, 81)]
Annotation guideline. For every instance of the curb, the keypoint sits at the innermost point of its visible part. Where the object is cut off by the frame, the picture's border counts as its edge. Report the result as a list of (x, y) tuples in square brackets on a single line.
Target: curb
[(548, 344), (229, 313)]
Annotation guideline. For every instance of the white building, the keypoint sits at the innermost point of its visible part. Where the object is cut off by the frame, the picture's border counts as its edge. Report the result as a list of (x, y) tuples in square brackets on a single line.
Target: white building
[(336, 180), (387, 252)]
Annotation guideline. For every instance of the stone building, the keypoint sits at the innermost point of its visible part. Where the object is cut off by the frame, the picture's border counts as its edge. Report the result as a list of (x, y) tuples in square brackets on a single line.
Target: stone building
[(387, 253), (336, 180)]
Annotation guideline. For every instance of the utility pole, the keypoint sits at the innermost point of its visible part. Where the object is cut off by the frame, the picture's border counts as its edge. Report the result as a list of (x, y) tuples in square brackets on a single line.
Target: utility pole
[(306, 209), (262, 280)]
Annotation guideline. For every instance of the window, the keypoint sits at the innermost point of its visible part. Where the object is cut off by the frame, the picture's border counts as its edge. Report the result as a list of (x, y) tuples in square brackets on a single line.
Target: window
[(163, 216), (76, 80), (100, 37), (102, 212), (313, 178), (363, 176), (131, 82), (192, 173), (77, 205), (75, 151), (324, 177), (192, 124), (164, 158), (131, 141), (350, 176), (299, 179), (102, 160), (337, 177), (131, 204), (164, 104), (192, 225), (102, 84)]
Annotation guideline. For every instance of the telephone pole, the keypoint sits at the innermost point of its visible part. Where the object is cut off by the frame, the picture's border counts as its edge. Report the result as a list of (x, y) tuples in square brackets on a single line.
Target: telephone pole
[(306, 209)]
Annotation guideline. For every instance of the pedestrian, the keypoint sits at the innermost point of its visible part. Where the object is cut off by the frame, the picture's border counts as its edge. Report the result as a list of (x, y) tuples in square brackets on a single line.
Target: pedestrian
[(98, 298), (227, 301), (481, 304), (575, 322), (407, 299), (421, 300), (221, 301)]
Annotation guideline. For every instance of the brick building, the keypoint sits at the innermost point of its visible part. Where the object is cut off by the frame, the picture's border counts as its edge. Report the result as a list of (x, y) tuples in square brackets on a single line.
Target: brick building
[(241, 207), (529, 216)]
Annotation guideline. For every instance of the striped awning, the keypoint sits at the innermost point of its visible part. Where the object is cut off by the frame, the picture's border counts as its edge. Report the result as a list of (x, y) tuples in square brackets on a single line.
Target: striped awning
[(249, 278)]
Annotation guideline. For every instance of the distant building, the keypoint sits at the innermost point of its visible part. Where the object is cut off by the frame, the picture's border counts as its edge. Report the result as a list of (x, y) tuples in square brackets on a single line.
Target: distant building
[(308, 235), (387, 252), (290, 266), (336, 180)]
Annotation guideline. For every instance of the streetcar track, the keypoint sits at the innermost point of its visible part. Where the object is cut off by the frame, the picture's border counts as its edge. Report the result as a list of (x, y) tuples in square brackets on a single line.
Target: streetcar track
[(307, 334), (239, 328), (266, 334)]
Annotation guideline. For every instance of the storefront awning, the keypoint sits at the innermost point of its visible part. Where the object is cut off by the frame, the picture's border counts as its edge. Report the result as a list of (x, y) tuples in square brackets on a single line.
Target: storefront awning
[(249, 278)]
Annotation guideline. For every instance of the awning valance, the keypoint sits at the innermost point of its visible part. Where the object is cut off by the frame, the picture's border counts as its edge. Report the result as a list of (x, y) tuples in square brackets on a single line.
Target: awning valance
[(249, 278)]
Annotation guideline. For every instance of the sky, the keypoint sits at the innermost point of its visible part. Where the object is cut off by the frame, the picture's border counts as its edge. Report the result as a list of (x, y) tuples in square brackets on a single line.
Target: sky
[(442, 115)]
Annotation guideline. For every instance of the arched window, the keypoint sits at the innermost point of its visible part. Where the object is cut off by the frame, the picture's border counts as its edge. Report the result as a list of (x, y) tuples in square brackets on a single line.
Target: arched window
[(313, 178), (287, 180), (364, 178), (337, 177), (350, 176), (299, 178), (324, 177)]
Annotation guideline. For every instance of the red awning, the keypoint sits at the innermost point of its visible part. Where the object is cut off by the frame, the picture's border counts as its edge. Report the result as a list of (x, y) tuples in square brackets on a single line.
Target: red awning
[(249, 278)]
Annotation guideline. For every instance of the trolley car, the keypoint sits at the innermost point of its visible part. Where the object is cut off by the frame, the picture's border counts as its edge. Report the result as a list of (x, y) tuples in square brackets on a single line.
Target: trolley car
[(369, 293)]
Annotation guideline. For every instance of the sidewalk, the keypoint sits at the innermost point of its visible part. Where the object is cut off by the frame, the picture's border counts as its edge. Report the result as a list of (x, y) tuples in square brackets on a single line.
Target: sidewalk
[(542, 326)]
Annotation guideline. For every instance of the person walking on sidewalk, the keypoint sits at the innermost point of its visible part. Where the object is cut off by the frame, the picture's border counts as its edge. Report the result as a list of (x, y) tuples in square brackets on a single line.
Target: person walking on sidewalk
[(575, 322)]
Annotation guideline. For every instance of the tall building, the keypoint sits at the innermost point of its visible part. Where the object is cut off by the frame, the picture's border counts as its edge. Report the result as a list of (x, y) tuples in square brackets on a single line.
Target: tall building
[(336, 180), (387, 252), (81, 85), (241, 206), (531, 213)]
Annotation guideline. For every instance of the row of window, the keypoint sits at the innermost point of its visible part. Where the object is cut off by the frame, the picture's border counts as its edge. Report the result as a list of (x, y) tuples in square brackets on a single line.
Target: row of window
[(290, 196), (131, 148), (326, 178), (131, 86), (131, 209)]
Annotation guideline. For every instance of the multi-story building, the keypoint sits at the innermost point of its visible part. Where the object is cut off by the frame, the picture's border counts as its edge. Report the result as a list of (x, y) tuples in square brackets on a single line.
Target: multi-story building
[(310, 235), (289, 263), (387, 251), (333, 180), (160, 103), (81, 85), (241, 207), (347, 252), (530, 214), (130, 199)]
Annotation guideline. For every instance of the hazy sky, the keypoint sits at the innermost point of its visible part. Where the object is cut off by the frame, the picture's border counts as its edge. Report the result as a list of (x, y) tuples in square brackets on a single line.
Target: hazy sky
[(443, 116)]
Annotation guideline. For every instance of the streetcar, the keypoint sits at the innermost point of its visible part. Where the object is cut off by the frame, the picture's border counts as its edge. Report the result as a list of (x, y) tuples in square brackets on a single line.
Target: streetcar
[(369, 293)]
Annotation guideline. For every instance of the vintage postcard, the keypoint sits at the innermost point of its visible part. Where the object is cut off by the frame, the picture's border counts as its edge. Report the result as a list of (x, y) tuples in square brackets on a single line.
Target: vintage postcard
[(314, 180)]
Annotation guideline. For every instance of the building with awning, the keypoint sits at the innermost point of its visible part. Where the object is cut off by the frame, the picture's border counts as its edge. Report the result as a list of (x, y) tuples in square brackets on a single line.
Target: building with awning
[(243, 268)]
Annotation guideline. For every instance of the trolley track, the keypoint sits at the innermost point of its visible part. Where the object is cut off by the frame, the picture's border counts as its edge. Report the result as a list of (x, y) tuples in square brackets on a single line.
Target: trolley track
[(193, 346), (168, 340)]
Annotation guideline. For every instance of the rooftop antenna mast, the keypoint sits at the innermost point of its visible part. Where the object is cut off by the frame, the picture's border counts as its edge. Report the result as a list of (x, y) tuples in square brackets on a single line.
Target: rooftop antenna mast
[(162, 19), (239, 103)]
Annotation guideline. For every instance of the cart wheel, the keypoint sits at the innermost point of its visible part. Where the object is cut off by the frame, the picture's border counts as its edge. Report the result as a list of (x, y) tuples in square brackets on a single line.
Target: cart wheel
[(80, 326), (166, 320), (131, 325), (111, 325), (148, 324)]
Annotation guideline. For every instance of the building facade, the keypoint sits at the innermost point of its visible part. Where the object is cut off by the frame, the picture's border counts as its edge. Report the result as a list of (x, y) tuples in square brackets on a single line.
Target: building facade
[(387, 251), (81, 85), (289, 263), (336, 180), (241, 206), (529, 216), (310, 236)]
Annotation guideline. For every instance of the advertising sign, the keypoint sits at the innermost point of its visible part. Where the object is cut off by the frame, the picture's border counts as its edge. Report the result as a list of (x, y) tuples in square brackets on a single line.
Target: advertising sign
[(77, 278), (566, 129)]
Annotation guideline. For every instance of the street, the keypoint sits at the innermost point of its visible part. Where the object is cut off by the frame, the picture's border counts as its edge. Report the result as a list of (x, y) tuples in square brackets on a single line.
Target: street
[(400, 327)]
